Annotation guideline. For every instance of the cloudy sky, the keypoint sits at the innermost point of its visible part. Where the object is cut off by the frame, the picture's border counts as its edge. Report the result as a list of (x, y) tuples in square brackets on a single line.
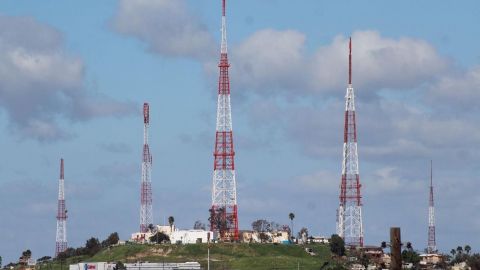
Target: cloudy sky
[(74, 75)]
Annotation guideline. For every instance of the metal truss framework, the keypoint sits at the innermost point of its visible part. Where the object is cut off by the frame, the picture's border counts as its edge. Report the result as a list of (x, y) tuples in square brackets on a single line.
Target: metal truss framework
[(349, 213), (146, 216), (224, 211), (61, 236)]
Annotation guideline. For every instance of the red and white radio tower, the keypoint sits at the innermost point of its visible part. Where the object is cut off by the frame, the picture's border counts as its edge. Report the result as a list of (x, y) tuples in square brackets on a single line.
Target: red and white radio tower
[(223, 213), (146, 217), (349, 215), (61, 239), (432, 247)]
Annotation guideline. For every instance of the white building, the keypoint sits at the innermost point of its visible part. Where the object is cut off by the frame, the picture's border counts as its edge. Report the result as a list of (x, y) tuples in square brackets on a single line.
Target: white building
[(137, 266), (431, 259), (190, 236), (92, 266), (319, 239), (162, 266), (140, 237), (165, 229)]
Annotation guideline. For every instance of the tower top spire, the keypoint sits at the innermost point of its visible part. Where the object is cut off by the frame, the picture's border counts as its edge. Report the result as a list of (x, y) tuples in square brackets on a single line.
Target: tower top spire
[(61, 169), (431, 173), (223, 7), (350, 62), (431, 183), (224, 28)]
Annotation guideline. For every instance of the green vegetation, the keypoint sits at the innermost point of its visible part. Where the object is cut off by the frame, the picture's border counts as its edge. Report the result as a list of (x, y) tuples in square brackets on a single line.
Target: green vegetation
[(337, 245), (222, 256)]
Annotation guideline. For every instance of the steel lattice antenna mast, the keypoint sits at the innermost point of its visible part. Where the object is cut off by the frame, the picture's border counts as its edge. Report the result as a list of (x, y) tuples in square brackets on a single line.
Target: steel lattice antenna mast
[(223, 213), (61, 238), (349, 215), (146, 217), (432, 247)]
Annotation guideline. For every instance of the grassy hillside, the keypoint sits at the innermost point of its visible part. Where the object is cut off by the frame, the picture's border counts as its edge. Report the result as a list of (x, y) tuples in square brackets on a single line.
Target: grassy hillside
[(222, 256)]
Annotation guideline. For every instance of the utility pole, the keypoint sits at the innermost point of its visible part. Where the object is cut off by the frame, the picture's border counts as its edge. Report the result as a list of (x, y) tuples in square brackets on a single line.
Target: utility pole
[(208, 251), (395, 249)]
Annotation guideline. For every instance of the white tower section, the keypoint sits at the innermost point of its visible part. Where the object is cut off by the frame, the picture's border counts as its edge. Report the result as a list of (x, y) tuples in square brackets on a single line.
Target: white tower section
[(61, 236)]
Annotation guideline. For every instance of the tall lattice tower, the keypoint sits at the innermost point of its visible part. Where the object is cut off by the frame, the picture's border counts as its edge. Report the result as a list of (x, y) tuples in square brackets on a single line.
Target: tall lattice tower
[(349, 215), (224, 211), (432, 246), (61, 238), (146, 217)]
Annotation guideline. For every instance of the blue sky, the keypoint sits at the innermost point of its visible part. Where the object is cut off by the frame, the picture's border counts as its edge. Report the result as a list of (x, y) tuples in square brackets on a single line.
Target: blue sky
[(73, 76)]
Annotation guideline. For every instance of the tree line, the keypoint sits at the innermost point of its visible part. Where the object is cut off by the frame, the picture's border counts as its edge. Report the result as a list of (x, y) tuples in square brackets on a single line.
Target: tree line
[(92, 246)]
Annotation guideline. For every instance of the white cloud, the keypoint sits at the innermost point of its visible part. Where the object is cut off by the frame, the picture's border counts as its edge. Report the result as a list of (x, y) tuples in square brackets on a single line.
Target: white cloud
[(378, 62), (272, 60), (268, 60), (166, 26), (459, 90), (389, 180), (40, 82), (324, 182)]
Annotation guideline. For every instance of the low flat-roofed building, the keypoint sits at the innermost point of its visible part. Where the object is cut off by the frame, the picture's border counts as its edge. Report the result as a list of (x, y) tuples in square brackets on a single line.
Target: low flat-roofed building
[(190, 236), (92, 266), (163, 266), (431, 259), (140, 237), (318, 239)]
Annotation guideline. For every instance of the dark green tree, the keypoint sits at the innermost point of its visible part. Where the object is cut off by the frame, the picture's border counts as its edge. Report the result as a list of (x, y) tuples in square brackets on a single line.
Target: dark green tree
[(120, 266), (474, 261), (364, 260), (159, 238), (410, 256), (171, 221), (467, 249), (27, 254), (199, 225), (0, 261), (219, 220), (303, 231), (291, 216), (92, 246), (44, 259), (260, 225), (111, 240), (337, 245), (453, 252)]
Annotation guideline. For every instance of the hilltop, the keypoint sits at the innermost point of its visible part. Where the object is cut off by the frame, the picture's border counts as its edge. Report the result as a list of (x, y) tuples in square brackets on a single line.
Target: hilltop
[(222, 256)]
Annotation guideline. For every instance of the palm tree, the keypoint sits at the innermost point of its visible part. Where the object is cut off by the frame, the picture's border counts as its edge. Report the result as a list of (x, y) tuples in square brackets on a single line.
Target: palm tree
[(171, 220), (467, 249), (459, 250), (291, 216), (453, 251)]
